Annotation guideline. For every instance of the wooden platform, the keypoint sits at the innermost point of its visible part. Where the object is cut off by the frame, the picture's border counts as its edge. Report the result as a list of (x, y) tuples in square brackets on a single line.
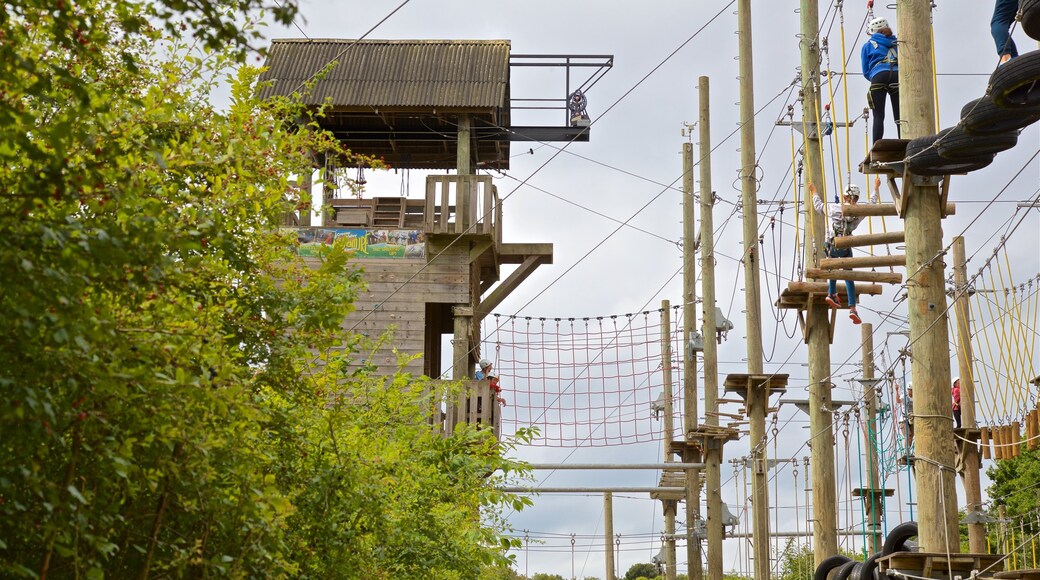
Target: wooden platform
[(884, 152), (741, 383), (1031, 574), (797, 294), (671, 478), (936, 565)]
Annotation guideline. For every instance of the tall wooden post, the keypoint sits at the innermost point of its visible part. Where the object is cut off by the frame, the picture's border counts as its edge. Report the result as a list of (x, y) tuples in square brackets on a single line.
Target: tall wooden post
[(929, 334), (757, 401), (818, 331), (461, 367), (752, 289), (690, 455), (463, 148), (713, 447), (873, 495), (608, 534), (972, 485), (670, 506)]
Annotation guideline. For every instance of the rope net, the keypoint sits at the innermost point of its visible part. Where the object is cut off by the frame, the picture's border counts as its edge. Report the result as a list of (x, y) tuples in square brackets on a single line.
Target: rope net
[(584, 382)]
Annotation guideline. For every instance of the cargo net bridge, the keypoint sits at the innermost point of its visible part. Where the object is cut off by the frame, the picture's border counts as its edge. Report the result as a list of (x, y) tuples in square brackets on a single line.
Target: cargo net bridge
[(584, 382)]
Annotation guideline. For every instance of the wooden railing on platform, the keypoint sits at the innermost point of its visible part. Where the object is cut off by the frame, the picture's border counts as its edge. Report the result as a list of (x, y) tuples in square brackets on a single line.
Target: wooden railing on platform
[(462, 204), (474, 403)]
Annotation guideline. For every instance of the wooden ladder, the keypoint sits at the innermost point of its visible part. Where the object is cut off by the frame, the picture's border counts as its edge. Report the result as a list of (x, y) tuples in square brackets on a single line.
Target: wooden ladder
[(389, 212)]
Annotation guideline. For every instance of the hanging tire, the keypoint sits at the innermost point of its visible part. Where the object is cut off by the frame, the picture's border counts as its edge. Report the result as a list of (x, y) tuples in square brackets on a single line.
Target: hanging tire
[(1016, 83), (982, 117), (922, 157), (845, 571), (829, 564), (959, 144), (867, 570), (896, 538), (1030, 18)]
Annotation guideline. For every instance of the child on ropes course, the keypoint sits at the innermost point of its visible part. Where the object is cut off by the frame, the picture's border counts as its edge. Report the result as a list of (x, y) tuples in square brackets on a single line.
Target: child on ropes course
[(841, 225), (1004, 12), (880, 66)]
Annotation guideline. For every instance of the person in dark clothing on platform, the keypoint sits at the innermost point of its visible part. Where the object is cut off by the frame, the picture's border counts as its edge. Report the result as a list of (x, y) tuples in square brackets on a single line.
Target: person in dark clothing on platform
[(1004, 12), (881, 67)]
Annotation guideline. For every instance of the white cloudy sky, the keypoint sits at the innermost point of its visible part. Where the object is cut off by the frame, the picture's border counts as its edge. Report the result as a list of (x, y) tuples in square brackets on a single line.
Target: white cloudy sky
[(635, 147)]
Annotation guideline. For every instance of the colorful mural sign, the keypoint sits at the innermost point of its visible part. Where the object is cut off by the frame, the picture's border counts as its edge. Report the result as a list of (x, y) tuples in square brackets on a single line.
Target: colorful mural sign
[(404, 244)]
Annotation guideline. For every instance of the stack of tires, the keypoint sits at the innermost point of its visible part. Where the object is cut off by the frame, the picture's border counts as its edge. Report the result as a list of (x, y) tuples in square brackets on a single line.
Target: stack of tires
[(843, 568), (990, 124)]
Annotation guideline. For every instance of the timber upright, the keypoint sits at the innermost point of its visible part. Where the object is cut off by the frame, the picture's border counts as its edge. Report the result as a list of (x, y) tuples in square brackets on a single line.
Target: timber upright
[(433, 264)]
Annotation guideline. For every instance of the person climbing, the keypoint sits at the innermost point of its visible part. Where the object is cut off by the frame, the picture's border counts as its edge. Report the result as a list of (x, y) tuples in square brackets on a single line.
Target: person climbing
[(841, 225), (1004, 12), (955, 393), (485, 369), (908, 414), (880, 66)]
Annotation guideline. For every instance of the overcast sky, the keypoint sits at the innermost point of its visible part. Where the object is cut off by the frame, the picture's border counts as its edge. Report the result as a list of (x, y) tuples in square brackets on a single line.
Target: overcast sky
[(634, 147)]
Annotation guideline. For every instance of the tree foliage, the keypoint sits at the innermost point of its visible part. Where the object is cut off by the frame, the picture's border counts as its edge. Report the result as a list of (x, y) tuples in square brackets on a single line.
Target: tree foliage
[(177, 400)]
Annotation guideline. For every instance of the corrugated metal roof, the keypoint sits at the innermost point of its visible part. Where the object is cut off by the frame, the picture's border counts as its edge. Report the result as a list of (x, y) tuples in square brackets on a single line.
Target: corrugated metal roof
[(393, 73)]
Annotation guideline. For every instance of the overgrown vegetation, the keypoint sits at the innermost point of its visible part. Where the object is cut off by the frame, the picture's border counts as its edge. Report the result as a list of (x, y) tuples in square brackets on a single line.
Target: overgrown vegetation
[(177, 401)]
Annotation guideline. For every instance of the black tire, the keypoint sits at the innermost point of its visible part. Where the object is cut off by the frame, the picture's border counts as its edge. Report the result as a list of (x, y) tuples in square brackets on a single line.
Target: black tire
[(982, 117), (923, 158), (959, 144), (867, 570), (829, 564), (897, 537), (1016, 83), (845, 571), (1030, 19)]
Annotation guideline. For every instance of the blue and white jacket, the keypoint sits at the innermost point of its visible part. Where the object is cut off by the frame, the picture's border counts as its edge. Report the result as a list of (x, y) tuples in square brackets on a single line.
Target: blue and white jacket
[(879, 53)]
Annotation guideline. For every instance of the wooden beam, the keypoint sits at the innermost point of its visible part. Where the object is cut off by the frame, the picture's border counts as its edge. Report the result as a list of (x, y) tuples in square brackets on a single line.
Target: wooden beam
[(821, 288), (478, 248), (881, 209), (518, 253), (862, 262), (506, 287), (861, 240), (882, 277)]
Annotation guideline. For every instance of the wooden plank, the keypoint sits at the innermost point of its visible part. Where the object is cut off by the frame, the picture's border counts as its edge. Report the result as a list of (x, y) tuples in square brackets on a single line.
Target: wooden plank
[(516, 253), (882, 277), (869, 239), (821, 288), (862, 262), (442, 223), (881, 209), (429, 216), (417, 277), (419, 287)]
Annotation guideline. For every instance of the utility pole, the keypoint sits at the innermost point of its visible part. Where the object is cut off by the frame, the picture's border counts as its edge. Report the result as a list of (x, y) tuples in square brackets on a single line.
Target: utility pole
[(670, 505), (817, 323), (712, 447), (873, 497), (690, 453), (608, 533), (752, 300), (972, 485), (926, 290)]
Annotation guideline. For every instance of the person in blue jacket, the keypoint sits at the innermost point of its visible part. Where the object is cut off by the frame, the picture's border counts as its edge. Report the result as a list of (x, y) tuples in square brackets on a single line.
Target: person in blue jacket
[(1004, 12), (880, 67)]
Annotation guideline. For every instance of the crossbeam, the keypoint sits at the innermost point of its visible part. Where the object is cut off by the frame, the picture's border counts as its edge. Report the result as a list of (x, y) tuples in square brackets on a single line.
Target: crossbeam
[(881, 209), (862, 262), (821, 288), (855, 275)]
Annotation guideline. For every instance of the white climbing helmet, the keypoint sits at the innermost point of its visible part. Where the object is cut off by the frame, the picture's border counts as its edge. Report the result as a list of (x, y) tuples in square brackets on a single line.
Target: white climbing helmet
[(877, 24), (484, 363), (853, 191)]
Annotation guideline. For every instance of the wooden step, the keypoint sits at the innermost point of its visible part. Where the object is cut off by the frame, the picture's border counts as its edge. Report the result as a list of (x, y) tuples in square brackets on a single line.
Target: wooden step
[(869, 239), (862, 262), (881, 209), (854, 275)]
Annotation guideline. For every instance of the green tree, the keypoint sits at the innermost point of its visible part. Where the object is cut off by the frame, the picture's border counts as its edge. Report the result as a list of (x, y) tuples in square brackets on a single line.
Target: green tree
[(178, 399), (644, 570)]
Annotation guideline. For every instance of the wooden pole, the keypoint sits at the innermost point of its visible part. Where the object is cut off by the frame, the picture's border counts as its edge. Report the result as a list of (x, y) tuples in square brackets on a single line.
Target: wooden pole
[(824, 486), (461, 368), (463, 148), (712, 447), (757, 401), (752, 290), (883, 209), (926, 290), (608, 534), (690, 455), (863, 262), (670, 506), (972, 482), (876, 496), (869, 239)]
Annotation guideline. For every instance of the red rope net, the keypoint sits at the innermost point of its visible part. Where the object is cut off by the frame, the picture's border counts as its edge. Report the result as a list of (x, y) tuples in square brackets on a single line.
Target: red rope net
[(584, 382)]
